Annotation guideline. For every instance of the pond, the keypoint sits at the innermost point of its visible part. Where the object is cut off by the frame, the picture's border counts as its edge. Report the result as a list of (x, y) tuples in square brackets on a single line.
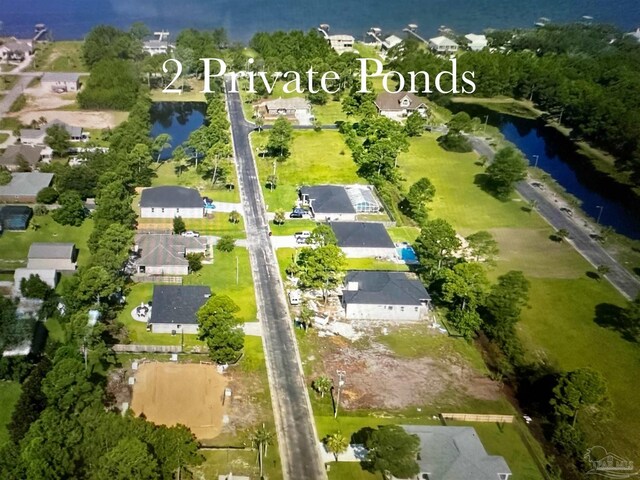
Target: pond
[(178, 119), (601, 197)]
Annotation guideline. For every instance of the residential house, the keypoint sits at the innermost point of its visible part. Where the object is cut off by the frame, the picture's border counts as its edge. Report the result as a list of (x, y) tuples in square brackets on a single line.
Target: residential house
[(476, 42), (165, 254), (16, 157), (390, 42), (397, 106), (16, 50), (381, 295), (364, 239), (341, 43), (155, 47), (443, 44), (52, 256), (338, 202), (50, 276), (32, 136), (288, 107), (170, 202), (61, 82), (24, 187), (76, 134), (174, 308), (455, 453)]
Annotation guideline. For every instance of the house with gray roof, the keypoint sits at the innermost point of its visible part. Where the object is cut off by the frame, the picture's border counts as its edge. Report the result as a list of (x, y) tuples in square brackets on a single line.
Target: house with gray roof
[(397, 106), (16, 50), (61, 82), (171, 201), (30, 155), (52, 256), (443, 44), (364, 240), (165, 254), (288, 107), (76, 134), (455, 453), (50, 276), (382, 295), (174, 308), (24, 187), (338, 202), (32, 136)]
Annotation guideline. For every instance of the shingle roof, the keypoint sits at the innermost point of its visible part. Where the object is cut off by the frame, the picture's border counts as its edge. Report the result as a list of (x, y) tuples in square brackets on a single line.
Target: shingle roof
[(31, 133), (391, 101), (60, 77), (52, 250), (328, 199), (30, 153), (454, 453), (443, 41), (178, 304), (48, 275), (362, 235), (384, 288), (293, 103), (71, 129), (26, 183), (171, 197), (166, 250)]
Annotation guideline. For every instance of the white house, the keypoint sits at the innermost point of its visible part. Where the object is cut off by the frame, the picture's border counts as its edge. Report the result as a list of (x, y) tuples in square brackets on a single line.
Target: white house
[(443, 44), (47, 275), (165, 254), (476, 42), (155, 47), (174, 308), (16, 50), (364, 240), (382, 295), (52, 256), (170, 202), (397, 106), (61, 82), (390, 42), (341, 43)]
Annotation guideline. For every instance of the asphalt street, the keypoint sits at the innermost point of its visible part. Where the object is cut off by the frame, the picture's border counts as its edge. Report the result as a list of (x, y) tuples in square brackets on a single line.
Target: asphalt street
[(297, 436), (620, 277)]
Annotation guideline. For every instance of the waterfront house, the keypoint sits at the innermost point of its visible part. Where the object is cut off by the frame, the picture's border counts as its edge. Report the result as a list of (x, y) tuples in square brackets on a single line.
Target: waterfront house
[(397, 106), (61, 82), (171, 201), (443, 44), (390, 42), (341, 43), (174, 308), (15, 50), (364, 240), (476, 42)]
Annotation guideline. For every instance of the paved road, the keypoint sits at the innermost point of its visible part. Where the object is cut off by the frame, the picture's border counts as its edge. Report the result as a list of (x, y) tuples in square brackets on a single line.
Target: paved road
[(292, 409), (18, 88), (620, 277)]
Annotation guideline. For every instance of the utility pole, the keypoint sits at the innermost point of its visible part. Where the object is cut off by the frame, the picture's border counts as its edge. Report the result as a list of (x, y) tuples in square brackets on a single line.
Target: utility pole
[(599, 214), (341, 375), (237, 270), (537, 157), (486, 120), (274, 174)]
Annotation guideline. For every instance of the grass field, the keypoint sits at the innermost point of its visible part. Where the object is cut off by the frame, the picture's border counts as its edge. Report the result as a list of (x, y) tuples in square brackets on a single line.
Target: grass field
[(9, 394), (60, 57), (14, 246), (316, 158)]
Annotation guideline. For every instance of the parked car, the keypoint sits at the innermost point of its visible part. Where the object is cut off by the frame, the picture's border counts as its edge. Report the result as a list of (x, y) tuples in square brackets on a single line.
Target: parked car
[(190, 233), (304, 234), (295, 297), (299, 213), (295, 214)]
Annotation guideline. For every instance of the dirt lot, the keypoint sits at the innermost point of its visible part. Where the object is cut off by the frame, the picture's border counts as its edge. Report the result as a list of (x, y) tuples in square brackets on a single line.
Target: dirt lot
[(378, 379), (190, 394)]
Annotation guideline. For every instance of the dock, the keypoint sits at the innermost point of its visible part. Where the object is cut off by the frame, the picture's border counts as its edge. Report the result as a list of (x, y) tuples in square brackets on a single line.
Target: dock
[(40, 31), (411, 30)]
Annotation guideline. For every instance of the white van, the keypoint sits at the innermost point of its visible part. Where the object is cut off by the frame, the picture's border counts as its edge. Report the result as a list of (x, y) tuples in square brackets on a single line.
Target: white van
[(295, 297)]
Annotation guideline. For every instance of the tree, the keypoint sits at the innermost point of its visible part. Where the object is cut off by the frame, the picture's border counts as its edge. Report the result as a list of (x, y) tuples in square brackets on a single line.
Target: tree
[(5, 175), (454, 141), (95, 284), (178, 226), (322, 235), (234, 216), (113, 84), (336, 443), (226, 243), (67, 387), (561, 234), (465, 285), (508, 168), (272, 182), (603, 270), (581, 389), (322, 385), (130, 458), (47, 195), (71, 211), (279, 217), (58, 139), (415, 124), (391, 450), (161, 143), (35, 287), (220, 329), (631, 317), (261, 438), (259, 121), (414, 204), (280, 137), (467, 322), (436, 245), (321, 268), (180, 159), (195, 261), (569, 439), (483, 246), (31, 401), (460, 122)]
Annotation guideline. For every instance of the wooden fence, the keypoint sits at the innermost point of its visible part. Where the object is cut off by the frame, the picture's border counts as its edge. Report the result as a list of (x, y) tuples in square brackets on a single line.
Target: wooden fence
[(477, 417), (135, 348)]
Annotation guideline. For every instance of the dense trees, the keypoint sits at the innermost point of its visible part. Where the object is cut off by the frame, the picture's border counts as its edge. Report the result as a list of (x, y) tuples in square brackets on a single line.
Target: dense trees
[(435, 247), (58, 139), (71, 211), (113, 85), (107, 42), (508, 168), (319, 268), (578, 390), (415, 202), (391, 449), (221, 329)]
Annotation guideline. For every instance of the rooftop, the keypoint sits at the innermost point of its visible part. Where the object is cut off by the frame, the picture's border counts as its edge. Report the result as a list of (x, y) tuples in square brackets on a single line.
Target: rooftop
[(162, 250), (71, 129), (178, 304), (381, 287), (328, 199), (30, 153), (26, 183), (361, 235), (454, 453), (52, 250), (443, 41), (171, 197), (60, 77), (393, 101), (293, 103), (31, 133), (472, 37), (391, 41)]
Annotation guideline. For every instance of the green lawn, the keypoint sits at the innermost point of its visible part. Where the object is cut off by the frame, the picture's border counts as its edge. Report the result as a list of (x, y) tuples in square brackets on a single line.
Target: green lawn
[(14, 246), (60, 57), (239, 462), (3, 136), (292, 226), (316, 158), (9, 394), (166, 175), (403, 234), (373, 264)]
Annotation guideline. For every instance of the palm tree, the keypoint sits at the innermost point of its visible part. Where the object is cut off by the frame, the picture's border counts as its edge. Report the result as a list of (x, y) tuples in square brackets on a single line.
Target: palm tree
[(234, 217), (161, 143), (322, 385), (562, 234), (259, 122), (603, 270), (533, 205), (279, 217), (261, 438), (42, 120), (180, 159), (336, 443), (272, 181)]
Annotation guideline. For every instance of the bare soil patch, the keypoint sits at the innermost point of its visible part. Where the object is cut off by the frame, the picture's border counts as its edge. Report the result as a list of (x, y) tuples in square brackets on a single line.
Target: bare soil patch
[(190, 394)]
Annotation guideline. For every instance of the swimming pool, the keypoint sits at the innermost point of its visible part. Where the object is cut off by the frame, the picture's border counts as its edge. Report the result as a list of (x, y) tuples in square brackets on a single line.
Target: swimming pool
[(407, 254)]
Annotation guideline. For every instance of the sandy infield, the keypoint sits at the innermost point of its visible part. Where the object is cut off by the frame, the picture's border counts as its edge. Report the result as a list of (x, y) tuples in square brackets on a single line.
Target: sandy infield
[(190, 394)]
